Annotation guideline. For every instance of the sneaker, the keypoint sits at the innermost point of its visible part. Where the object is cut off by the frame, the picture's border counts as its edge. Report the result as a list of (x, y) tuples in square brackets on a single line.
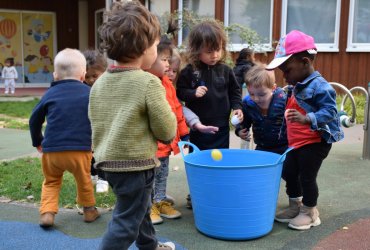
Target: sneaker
[(12, 92), (287, 214), (102, 186), (188, 202), (165, 246), (169, 199), (94, 179), (155, 215), (91, 214), (308, 217), (47, 219), (6, 92), (166, 210)]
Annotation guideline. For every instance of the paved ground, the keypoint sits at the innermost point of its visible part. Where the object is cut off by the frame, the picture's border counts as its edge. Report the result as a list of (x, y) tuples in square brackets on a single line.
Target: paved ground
[(344, 204)]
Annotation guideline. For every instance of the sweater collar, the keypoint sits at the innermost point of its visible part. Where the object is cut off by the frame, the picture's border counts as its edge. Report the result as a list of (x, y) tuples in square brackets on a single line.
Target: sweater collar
[(64, 81)]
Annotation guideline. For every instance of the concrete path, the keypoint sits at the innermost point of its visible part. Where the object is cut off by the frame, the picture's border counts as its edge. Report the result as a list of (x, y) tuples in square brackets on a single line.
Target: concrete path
[(344, 205)]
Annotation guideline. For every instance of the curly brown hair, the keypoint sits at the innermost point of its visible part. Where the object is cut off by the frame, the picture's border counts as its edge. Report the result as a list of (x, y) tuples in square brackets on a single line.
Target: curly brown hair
[(209, 34), (129, 30)]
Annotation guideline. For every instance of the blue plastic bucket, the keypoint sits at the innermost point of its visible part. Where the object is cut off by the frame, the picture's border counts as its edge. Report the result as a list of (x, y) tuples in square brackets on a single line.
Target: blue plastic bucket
[(234, 198)]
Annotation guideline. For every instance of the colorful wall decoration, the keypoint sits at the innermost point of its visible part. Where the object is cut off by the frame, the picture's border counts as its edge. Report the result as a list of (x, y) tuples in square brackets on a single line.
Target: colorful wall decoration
[(29, 38)]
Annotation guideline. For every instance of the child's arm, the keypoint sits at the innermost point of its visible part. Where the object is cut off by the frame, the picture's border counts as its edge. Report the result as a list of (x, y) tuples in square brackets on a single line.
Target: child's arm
[(194, 123), (36, 120), (242, 129), (15, 73), (161, 118)]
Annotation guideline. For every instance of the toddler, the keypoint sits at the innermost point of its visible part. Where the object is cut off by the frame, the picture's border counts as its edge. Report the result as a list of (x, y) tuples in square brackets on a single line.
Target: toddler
[(244, 63), (66, 143), (161, 207), (96, 64), (10, 75), (312, 126), (129, 114), (264, 110)]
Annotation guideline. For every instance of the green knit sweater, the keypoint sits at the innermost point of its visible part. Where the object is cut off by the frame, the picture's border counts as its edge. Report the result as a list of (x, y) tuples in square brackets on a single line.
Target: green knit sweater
[(129, 113)]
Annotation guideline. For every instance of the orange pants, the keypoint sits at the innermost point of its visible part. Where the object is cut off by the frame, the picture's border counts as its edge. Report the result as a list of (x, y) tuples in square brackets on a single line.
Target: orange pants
[(53, 166)]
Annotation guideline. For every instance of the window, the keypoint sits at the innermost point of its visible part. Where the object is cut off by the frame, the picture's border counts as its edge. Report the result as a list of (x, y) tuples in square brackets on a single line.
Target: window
[(99, 19), (160, 8), (204, 8), (359, 26), (30, 38), (317, 18), (256, 15)]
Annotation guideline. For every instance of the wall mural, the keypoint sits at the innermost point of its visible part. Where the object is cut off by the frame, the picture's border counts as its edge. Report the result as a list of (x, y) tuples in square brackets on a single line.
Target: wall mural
[(28, 38)]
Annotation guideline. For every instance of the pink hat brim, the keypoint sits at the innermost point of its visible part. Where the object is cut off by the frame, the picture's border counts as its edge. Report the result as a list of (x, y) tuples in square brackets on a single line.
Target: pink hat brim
[(277, 62)]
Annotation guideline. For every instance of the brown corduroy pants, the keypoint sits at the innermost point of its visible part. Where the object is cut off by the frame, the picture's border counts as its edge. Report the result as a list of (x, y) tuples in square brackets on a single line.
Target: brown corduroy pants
[(53, 166)]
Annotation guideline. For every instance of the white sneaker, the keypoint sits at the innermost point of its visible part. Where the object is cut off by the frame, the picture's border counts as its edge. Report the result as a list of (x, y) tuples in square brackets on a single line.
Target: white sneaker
[(102, 186), (6, 92), (94, 179), (165, 246)]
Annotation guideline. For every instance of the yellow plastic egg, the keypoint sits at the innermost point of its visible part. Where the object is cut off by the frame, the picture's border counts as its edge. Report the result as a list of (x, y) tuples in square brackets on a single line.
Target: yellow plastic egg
[(216, 155)]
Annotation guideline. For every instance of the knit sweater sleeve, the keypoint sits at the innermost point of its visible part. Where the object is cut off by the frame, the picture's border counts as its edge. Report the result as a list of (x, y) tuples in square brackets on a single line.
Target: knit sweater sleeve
[(162, 120)]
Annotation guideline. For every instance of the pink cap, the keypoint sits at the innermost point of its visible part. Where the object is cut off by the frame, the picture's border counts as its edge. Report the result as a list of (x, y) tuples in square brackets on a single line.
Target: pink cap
[(294, 42)]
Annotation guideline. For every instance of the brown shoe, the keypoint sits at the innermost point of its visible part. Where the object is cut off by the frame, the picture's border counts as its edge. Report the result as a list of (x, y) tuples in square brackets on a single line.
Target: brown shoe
[(47, 219), (90, 214)]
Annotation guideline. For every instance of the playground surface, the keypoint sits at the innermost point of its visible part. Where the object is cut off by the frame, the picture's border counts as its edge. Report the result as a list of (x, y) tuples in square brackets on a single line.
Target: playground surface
[(344, 207)]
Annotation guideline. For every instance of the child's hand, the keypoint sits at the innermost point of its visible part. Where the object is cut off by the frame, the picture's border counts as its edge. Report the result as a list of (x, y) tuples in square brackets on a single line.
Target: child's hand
[(244, 134), (205, 129), (292, 115), (239, 114), (201, 91), (39, 149)]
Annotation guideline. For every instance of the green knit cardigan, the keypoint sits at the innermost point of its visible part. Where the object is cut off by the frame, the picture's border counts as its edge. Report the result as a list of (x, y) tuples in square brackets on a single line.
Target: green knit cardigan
[(129, 112)]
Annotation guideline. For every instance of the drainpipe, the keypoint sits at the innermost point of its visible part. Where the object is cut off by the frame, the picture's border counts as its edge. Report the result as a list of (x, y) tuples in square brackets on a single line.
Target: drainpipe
[(366, 146)]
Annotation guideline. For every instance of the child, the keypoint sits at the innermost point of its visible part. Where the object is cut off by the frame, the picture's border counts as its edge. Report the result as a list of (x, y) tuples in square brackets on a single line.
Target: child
[(312, 126), (243, 64), (208, 87), (129, 113), (174, 66), (96, 64), (66, 144), (264, 110), (10, 75), (160, 206)]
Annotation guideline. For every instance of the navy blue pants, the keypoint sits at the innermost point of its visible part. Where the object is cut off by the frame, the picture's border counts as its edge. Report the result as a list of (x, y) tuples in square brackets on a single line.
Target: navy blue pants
[(131, 214)]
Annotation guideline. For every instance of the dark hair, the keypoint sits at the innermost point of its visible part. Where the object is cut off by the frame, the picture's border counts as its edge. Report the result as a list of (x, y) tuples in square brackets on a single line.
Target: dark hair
[(95, 59), (166, 44), (130, 29), (245, 54), (209, 34), (10, 60)]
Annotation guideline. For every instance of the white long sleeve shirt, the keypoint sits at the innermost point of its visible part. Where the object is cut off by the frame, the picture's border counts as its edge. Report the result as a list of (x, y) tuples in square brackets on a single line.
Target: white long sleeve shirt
[(9, 73)]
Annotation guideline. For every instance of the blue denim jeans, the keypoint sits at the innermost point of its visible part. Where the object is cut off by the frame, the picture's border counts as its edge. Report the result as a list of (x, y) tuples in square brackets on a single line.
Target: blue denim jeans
[(131, 214), (160, 180)]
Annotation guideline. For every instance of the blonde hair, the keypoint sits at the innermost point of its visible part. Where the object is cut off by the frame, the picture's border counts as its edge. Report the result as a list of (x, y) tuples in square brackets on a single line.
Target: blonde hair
[(69, 64), (258, 76), (207, 34)]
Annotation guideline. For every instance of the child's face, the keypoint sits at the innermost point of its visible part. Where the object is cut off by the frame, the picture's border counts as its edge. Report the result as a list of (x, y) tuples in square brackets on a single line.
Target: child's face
[(209, 56), (161, 64), (295, 70), (149, 56), (173, 70), (92, 74), (7, 63), (261, 96)]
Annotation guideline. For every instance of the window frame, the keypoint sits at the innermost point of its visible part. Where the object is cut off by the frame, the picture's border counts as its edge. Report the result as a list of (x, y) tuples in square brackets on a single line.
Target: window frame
[(265, 47), (321, 47), (352, 46)]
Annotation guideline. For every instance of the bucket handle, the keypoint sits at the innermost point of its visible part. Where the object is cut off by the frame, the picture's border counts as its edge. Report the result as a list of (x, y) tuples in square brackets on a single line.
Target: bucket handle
[(282, 157), (184, 143)]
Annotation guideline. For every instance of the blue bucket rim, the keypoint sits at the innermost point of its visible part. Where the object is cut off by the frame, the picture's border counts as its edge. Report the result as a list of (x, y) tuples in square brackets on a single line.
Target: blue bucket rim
[(228, 166)]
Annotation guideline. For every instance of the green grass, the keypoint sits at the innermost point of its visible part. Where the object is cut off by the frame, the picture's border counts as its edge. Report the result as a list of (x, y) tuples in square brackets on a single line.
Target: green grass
[(23, 177), (18, 109), (360, 102)]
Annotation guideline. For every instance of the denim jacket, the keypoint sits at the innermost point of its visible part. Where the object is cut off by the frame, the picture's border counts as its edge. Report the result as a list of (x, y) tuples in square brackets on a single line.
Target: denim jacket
[(268, 133), (316, 96)]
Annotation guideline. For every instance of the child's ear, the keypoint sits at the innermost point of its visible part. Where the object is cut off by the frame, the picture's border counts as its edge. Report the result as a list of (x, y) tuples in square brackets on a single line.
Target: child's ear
[(55, 75)]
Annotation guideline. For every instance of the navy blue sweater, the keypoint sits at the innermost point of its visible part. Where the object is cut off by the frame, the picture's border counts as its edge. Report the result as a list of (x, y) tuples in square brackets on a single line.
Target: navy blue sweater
[(65, 107)]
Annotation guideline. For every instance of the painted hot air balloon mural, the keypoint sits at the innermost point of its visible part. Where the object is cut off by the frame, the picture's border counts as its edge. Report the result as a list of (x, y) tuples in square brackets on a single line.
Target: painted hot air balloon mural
[(8, 28)]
